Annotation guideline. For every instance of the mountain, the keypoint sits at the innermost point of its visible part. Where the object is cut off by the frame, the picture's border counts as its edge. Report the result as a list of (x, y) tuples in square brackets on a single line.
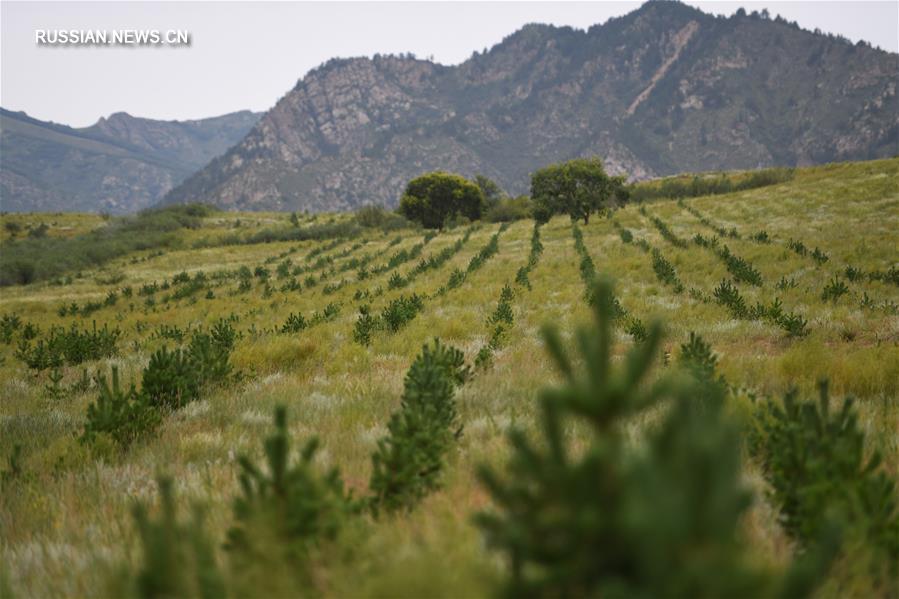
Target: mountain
[(120, 164), (662, 90)]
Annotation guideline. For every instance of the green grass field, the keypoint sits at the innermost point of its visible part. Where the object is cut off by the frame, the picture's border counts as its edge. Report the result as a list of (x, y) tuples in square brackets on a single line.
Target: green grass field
[(66, 527)]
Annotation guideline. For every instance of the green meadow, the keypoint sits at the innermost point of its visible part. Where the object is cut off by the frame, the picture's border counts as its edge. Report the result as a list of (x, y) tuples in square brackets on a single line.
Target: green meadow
[(813, 260)]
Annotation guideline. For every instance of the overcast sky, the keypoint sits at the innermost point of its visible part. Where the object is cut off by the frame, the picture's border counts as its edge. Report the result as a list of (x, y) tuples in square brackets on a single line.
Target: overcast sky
[(247, 55)]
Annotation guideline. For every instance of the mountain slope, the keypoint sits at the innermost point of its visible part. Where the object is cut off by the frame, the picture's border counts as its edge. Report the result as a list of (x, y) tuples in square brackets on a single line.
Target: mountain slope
[(119, 164), (664, 89)]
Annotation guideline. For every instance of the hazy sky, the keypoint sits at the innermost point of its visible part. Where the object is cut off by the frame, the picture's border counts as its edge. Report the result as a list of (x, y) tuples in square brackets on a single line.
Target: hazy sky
[(247, 55)]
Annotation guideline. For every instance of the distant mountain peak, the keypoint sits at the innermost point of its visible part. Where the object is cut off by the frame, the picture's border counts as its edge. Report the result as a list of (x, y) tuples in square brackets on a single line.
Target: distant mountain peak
[(663, 89), (121, 163)]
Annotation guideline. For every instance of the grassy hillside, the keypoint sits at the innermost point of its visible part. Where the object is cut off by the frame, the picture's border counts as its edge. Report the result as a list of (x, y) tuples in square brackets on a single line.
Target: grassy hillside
[(65, 517)]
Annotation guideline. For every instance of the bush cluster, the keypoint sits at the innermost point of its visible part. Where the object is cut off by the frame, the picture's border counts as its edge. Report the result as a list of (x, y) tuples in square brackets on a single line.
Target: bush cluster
[(69, 346), (401, 311), (709, 184), (294, 323), (400, 257), (37, 259), (395, 315), (170, 380)]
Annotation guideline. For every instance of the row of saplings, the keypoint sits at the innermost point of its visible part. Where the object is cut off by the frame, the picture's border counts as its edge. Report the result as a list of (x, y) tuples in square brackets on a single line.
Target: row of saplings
[(171, 380), (586, 516)]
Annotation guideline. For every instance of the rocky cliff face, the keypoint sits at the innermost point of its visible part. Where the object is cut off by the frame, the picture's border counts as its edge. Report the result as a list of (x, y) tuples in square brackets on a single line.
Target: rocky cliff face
[(120, 164), (664, 89)]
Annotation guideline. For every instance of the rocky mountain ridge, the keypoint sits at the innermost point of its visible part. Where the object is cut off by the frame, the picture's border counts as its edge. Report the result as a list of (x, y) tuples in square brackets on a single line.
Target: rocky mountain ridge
[(664, 89)]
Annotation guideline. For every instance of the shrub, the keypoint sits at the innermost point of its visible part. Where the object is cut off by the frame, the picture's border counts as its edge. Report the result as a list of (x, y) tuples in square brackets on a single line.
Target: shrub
[(834, 290), (794, 325), (329, 312), (210, 360), (854, 274), (223, 335), (786, 283), (729, 296), (691, 186), (819, 256), (372, 217), (178, 559), (821, 473), (503, 312), (521, 278), (170, 379), (485, 253), (9, 324), (608, 520), (798, 247), (365, 325), (510, 209), (396, 281), (409, 461), (294, 323), (739, 268), (760, 237), (400, 311), (288, 508), (122, 415)]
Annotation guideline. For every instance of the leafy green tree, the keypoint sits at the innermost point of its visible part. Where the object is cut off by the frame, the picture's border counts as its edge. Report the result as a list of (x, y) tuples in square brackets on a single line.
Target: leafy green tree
[(434, 198), (577, 188), (493, 193)]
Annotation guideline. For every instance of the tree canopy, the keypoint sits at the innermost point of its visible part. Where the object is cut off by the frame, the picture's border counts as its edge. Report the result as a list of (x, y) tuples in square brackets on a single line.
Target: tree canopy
[(434, 198), (493, 193), (578, 188)]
